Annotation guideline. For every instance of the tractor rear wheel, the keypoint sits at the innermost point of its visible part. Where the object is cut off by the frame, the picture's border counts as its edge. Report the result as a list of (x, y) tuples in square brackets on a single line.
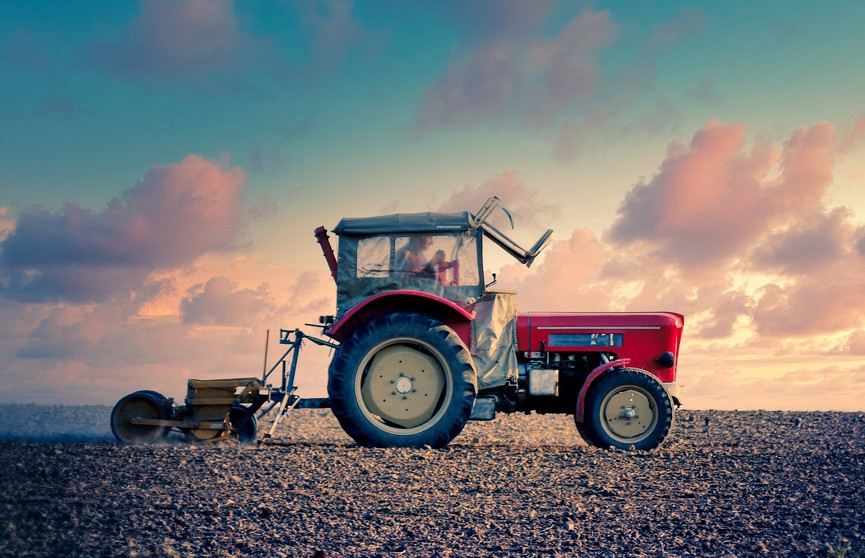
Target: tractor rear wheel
[(402, 380), (627, 409), (144, 404)]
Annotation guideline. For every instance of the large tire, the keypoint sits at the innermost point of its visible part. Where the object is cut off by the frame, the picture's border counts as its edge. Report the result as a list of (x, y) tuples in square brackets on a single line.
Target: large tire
[(402, 380), (627, 409), (141, 404)]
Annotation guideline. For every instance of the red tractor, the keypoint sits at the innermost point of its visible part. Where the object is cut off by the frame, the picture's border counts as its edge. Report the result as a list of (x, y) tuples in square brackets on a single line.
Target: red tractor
[(425, 345)]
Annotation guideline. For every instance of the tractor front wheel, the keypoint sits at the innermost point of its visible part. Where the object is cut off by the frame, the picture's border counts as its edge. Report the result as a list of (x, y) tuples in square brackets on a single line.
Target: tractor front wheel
[(627, 409), (144, 404), (402, 380)]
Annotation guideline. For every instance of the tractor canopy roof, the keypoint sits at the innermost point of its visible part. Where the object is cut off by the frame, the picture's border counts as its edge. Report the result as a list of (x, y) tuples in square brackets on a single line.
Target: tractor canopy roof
[(405, 223)]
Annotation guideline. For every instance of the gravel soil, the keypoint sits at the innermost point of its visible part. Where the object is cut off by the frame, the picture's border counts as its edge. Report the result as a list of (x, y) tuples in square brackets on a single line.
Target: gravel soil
[(725, 484)]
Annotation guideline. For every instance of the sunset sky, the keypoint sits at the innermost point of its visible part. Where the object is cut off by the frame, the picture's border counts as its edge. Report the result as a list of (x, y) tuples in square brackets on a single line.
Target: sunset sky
[(164, 163)]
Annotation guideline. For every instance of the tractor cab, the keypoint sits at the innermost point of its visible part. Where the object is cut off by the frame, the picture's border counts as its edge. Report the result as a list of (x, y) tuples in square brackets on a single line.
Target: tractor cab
[(436, 253)]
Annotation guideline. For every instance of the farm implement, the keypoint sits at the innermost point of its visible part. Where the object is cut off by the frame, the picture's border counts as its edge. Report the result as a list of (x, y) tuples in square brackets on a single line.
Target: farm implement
[(217, 409)]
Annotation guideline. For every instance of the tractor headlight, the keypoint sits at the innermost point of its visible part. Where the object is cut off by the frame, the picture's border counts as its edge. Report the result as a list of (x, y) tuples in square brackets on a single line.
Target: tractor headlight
[(667, 360)]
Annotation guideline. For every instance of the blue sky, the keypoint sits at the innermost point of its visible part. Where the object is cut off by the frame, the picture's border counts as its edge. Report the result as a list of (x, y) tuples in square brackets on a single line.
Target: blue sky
[(642, 132)]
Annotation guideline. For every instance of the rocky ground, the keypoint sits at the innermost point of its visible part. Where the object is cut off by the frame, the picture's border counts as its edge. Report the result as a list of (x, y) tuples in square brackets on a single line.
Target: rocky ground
[(726, 484)]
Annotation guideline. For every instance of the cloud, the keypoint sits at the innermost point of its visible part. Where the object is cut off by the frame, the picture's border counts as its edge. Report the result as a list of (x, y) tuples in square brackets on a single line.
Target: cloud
[(57, 336), (723, 307), (523, 203), (97, 352), (566, 280), (814, 306), (854, 138), (6, 226), (220, 302), (487, 21), (738, 238), (566, 64), (525, 72), (175, 214), (626, 111), (175, 38), (334, 32), (575, 136), (688, 22), (813, 388), (807, 245), (711, 200), (855, 344)]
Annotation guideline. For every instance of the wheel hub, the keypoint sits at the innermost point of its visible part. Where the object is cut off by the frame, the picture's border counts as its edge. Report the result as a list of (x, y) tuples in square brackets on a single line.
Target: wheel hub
[(404, 385), (628, 414)]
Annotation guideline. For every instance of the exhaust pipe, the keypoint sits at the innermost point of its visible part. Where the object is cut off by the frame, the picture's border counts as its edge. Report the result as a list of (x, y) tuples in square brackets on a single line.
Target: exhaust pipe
[(327, 250)]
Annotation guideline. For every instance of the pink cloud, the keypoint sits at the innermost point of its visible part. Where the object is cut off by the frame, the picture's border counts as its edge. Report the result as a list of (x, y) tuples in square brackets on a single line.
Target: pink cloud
[(221, 302), (6, 225), (855, 136), (855, 344), (173, 38), (711, 200), (523, 72), (714, 212), (821, 304), (725, 307), (567, 279), (175, 214), (95, 353), (523, 203), (810, 388), (809, 244)]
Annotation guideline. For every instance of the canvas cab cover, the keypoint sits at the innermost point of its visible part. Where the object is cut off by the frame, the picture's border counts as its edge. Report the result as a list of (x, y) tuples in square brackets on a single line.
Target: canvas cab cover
[(438, 253)]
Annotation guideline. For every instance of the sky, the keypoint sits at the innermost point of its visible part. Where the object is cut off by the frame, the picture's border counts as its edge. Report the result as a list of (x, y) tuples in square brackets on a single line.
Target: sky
[(163, 164)]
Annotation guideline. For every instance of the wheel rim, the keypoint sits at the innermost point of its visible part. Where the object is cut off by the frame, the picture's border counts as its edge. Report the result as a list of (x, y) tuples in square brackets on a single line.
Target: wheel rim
[(403, 386), (137, 407), (628, 414)]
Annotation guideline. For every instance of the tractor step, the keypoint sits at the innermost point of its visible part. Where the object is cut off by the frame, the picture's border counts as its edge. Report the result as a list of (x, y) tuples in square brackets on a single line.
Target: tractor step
[(484, 409)]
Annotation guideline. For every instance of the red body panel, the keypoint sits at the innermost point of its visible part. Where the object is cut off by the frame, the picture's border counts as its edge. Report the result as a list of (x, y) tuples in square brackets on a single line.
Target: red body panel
[(452, 315), (642, 337)]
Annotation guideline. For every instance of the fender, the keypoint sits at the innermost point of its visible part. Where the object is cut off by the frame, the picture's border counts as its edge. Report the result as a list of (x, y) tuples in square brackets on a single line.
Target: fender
[(452, 315), (581, 397)]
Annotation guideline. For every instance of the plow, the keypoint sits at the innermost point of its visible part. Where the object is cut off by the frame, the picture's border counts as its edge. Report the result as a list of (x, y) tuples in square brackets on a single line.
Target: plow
[(219, 409)]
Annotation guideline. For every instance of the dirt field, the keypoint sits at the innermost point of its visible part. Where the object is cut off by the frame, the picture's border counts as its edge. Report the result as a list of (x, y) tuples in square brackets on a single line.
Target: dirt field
[(726, 484)]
